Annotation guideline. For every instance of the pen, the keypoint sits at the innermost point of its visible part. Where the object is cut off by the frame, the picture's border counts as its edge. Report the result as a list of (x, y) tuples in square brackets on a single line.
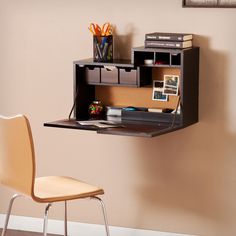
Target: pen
[(104, 40), (99, 51), (97, 47), (104, 51)]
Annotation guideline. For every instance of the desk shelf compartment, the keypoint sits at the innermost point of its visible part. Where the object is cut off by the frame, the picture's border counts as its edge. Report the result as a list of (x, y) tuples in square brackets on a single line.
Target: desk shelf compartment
[(109, 76), (139, 57), (161, 57), (152, 117), (171, 59), (119, 76), (175, 59), (128, 76), (92, 75)]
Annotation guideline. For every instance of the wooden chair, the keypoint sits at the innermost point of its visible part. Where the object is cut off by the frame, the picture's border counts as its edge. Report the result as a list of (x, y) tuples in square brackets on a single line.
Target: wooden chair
[(17, 171)]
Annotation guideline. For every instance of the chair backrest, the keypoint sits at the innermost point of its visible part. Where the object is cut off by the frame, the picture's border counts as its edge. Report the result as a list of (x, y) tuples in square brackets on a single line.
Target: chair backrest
[(17, 160)]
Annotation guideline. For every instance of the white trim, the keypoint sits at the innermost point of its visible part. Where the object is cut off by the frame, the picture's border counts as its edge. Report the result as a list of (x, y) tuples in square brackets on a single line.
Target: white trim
[(76, 228)]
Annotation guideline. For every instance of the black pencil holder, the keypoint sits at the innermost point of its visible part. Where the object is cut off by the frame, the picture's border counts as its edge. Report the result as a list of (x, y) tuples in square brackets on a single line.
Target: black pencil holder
[(103, 48)]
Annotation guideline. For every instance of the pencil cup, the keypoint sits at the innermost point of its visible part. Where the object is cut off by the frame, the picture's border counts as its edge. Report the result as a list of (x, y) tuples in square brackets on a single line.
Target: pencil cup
[(103, 48)]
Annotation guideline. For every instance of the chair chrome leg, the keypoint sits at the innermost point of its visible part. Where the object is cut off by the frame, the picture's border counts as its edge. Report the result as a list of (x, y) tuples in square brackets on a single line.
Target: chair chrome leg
[(9, 213), (104, 214), (65, 220), (45, 223)]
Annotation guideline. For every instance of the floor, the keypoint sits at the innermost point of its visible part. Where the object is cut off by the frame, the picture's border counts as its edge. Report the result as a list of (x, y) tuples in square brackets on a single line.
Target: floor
[(23, 233)]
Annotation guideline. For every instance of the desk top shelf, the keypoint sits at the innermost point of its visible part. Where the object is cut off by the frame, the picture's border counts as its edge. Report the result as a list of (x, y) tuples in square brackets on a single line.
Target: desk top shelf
[(115, 62), (130, 83)]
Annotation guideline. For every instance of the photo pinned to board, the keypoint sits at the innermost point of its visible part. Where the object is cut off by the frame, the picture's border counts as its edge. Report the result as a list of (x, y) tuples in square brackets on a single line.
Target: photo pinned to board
[(171, 85), (158, 89)]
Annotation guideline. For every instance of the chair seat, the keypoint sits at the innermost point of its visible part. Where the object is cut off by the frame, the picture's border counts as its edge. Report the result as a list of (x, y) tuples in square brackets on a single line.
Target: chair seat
[(61, 188)]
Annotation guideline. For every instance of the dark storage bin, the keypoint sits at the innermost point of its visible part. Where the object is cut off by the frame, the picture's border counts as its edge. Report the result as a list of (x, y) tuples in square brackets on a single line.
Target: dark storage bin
[(109, 76), (128, 76), (92, 75)]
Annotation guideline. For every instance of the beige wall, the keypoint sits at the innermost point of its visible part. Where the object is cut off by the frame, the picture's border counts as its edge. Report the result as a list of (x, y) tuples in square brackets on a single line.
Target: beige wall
[(180, 182)]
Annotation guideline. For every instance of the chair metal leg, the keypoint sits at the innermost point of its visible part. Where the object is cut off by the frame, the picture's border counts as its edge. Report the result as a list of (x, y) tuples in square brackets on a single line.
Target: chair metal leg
[(45, 223), (104, 214), (65, 220), (9, 213)]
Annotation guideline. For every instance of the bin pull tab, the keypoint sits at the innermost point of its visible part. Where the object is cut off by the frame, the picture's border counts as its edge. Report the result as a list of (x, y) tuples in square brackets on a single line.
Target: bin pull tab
[(110, 68)]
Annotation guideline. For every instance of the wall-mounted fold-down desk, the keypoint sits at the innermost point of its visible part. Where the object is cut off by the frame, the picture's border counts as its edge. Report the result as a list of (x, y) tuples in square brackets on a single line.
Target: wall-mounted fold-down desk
[(123, 83)]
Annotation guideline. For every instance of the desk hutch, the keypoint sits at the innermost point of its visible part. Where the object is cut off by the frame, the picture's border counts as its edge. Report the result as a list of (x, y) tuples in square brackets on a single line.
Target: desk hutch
[(130, 83)]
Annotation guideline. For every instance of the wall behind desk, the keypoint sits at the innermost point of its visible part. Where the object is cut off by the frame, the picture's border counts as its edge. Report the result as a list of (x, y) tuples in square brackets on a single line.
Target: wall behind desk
[(182, 182)]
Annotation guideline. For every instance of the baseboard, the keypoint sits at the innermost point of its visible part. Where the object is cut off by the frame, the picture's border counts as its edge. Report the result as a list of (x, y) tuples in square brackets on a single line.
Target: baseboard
[(76, 228)]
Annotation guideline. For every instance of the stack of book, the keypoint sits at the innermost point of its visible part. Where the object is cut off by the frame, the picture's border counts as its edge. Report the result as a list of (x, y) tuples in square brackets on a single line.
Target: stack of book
[(168, 40)]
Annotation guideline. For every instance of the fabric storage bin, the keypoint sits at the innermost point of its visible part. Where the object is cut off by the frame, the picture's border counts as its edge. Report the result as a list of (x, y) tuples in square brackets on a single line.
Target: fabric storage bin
[(109, 76), (128, 76), (92, 75)]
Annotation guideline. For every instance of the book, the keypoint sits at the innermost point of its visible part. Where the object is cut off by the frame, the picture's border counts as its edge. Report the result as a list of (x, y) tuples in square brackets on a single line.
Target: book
[(155, 110), (168, 36), (113, 111), (167, 44)]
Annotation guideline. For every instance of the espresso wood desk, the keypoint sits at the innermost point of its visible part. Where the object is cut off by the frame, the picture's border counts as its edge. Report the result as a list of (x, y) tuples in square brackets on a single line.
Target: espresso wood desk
[(130, 83)]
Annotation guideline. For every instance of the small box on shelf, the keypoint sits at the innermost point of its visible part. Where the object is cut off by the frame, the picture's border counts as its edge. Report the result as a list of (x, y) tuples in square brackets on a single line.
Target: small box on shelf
[(109, 76), (92, 74), (128, 76)]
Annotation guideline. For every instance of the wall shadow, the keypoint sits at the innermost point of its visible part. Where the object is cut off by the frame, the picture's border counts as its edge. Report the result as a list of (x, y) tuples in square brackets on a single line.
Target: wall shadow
[(123, 43), (191, 170)]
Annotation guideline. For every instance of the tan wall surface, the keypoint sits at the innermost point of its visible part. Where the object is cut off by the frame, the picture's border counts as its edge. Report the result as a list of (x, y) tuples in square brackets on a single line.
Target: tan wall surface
[(184, 181)]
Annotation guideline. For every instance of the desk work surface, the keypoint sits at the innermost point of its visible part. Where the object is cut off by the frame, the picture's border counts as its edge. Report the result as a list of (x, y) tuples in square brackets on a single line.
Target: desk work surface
[(125, 128)]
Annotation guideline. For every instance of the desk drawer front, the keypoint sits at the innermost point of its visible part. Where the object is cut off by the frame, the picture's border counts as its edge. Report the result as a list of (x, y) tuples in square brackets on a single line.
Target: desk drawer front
[(92, 75), (109, 76), (128, 76)]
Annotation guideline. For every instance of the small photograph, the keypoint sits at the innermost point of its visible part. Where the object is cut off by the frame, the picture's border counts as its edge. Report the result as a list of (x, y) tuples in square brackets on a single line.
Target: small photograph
[(158, 88), (158, 83), (171, 85), (159, 96), (171, 80), (170, 91)]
